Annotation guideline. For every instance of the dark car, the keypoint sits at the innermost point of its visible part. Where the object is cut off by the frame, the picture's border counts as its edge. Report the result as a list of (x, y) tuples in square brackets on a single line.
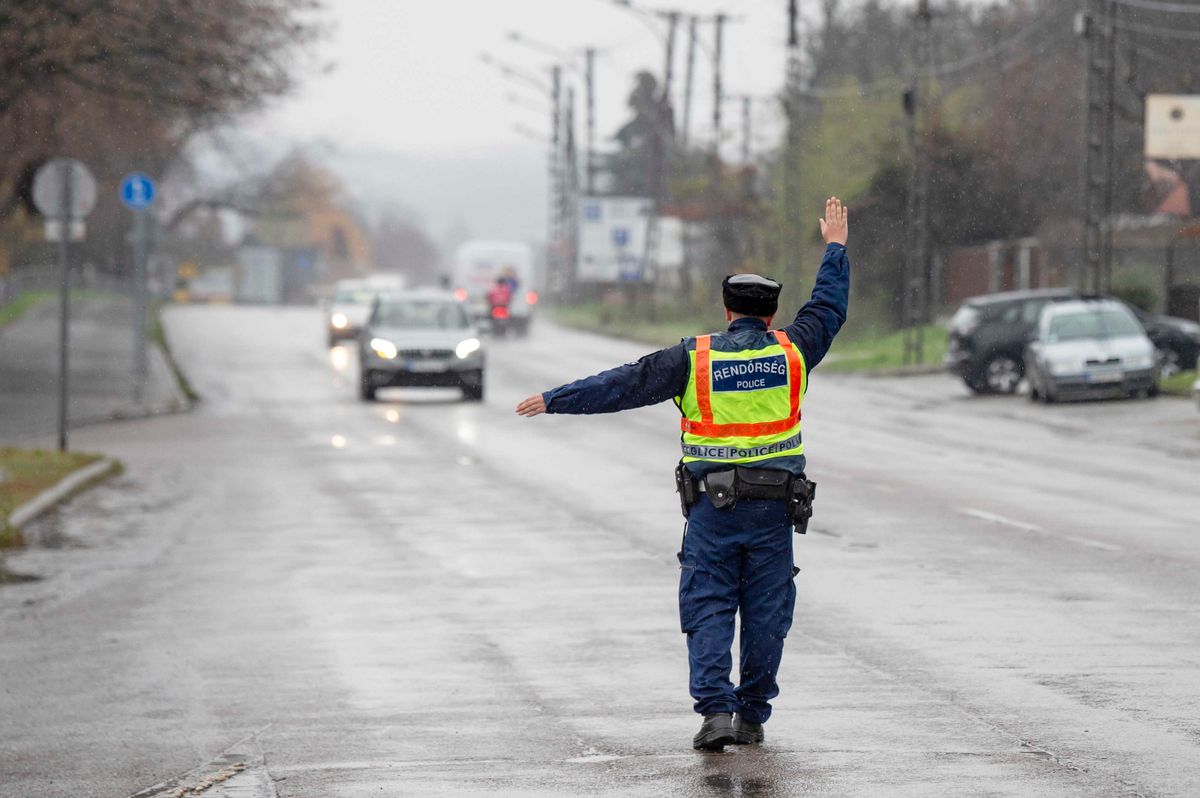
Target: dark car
[(986, 342), (1176, 340)]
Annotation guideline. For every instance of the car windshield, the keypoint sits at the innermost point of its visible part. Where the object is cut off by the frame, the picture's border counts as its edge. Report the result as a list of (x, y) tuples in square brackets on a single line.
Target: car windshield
[(425, 314), (1093, 324), (353, 296)]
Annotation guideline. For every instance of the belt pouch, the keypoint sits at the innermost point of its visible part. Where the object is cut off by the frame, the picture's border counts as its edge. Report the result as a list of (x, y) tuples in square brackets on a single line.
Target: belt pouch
[(762, 483), (722, 488)]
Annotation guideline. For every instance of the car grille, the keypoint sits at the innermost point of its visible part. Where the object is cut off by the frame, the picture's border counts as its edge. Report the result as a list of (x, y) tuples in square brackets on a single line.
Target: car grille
[(425, 354)]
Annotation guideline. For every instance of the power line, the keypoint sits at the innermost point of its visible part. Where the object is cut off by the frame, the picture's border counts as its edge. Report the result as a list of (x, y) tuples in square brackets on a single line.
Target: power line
[(891, 84), (1161, 5), (1154, 30), (940, 70)]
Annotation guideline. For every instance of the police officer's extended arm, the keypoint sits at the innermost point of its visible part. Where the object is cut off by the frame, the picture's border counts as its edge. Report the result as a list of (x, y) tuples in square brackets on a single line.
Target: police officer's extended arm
[(824, 314), (655, 378)]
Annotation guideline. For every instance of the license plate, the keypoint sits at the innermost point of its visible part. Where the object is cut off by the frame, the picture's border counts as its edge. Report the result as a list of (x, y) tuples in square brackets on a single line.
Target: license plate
[(1103, 377), (424, 366)]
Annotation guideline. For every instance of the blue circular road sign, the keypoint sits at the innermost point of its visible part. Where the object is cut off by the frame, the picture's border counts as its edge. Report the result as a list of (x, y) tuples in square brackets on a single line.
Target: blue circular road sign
[(137, 191)]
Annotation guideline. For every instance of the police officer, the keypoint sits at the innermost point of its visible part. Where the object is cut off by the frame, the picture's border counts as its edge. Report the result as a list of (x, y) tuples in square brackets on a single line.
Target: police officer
[(741, 478)]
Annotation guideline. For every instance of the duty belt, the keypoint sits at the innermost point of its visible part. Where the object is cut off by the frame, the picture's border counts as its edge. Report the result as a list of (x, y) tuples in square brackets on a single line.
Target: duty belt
[(729, 485)]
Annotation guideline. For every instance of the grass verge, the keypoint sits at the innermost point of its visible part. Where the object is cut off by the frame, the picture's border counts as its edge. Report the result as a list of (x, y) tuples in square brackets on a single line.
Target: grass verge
[(864, 353), (884, 351), (159, 336), (20, 304), (28, 472), (1178, 384), (667, 328)]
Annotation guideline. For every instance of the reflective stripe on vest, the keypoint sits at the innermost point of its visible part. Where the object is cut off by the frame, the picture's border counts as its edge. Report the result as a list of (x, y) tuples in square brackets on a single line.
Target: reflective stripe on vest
[(706, 427)]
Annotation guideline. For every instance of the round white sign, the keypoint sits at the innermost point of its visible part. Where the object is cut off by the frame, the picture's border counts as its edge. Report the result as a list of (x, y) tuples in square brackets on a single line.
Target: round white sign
[(58, 179)]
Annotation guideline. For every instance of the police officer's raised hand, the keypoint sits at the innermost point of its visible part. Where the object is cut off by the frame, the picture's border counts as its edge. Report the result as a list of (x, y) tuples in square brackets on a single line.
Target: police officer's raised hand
[(533, 406), (835, 227)]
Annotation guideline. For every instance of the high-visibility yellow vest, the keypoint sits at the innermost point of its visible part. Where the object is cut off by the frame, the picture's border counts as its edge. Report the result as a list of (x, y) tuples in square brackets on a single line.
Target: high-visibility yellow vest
[(744, 406)]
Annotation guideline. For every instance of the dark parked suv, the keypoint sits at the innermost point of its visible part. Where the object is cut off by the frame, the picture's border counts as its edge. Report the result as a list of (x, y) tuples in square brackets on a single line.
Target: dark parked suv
[(986, 342), (1176, 340)]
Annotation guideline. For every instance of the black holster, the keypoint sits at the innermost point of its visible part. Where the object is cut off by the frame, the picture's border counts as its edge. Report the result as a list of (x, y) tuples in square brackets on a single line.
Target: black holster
[(800, 502), (687, 488)]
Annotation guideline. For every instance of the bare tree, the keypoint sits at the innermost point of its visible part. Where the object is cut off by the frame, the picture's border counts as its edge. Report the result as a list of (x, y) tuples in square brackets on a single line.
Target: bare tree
[(174, 66)]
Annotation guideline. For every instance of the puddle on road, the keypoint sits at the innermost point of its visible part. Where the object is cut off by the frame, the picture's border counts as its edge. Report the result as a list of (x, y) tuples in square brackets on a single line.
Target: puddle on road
[(49, 532), (96, 525)]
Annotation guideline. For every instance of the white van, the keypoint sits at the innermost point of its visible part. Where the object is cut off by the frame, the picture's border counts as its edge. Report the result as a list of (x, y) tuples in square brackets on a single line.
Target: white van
[(477, 266)]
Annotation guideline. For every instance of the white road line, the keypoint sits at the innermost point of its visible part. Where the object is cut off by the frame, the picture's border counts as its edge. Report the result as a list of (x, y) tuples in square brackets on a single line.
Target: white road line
[(1095, 544), (984, 515), (993, 518)]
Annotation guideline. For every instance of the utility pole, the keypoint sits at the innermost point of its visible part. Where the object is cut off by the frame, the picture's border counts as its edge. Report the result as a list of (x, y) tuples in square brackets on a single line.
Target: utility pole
[(791, 236), (570, 192), (689, 80), (554, 187), (1097, 25), (747, 100), (590, 82), (915, 294), (669, 66), (718, 92)]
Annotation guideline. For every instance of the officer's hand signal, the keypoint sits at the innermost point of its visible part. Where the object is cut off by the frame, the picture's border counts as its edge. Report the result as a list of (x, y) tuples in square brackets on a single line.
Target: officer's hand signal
[(835, 227), (533, 406)]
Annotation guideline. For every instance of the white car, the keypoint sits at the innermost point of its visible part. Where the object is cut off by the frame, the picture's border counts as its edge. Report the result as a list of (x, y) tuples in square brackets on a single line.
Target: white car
[(1089, 347), (420, 338), (348, 310)]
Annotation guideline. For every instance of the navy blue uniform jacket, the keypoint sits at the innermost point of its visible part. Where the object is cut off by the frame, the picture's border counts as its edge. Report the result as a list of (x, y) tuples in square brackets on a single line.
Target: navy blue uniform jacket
[(663, 375)]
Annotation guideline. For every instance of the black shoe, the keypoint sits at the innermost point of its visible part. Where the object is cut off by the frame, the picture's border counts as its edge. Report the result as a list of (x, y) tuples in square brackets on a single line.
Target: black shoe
[(715, 733), (747, 733)]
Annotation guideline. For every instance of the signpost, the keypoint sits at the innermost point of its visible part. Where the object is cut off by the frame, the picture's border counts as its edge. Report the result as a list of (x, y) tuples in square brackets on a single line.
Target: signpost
[(65, 192), (1173, 126), (137, 193)]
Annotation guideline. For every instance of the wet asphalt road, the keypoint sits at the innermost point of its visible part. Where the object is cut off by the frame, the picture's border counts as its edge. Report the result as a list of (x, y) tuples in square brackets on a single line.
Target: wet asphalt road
[(425, 597)]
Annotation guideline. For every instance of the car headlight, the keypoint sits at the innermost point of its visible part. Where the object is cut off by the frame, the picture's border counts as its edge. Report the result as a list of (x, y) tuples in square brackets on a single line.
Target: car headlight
[(1063, 365), (1143, 360), (1191, 329), (466, 347), (339, 320), (384, 348)]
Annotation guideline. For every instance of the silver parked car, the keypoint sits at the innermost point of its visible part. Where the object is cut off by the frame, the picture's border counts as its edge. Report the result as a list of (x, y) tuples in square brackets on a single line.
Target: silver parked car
[(420, 338), (1089, 347)]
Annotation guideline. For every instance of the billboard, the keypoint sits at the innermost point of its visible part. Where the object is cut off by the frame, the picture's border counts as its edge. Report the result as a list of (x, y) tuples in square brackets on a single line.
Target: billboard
[(612, 239), (1173, 126)]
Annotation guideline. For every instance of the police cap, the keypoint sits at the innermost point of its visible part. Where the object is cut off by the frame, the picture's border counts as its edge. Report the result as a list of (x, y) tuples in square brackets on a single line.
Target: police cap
[(751, 294)]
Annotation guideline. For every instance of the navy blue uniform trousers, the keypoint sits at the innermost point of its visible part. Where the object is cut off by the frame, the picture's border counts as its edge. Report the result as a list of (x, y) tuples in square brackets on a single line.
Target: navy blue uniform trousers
[(736, 560)]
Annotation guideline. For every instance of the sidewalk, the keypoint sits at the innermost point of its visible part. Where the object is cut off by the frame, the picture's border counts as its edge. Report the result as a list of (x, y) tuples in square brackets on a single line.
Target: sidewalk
[(101, 362)]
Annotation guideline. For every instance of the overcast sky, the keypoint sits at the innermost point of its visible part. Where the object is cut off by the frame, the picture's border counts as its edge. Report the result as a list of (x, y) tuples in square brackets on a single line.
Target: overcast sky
[(410, 113), (407, 74)]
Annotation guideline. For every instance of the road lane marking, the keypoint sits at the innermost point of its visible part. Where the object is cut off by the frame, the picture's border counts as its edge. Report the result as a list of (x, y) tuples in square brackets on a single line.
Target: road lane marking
[(1095, 544), (993, 518)]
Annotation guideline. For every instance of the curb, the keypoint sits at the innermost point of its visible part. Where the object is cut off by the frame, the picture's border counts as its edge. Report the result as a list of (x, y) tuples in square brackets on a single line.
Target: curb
[(905, 371), (65, 489), (892, 371)]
